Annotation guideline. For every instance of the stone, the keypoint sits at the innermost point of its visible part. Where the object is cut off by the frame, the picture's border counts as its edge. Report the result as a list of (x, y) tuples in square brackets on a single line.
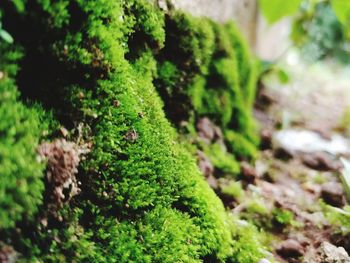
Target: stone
[(332, 193), (305, 141), (290, 248), (213, 182), (248, 172), (329, 253), (131, 136), (266, 139), (320, 161), (7, 254), (283, 154), (205, 164), (206, 129)]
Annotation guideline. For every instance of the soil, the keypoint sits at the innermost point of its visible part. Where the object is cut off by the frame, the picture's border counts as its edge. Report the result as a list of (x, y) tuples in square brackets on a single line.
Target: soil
[(297, 181)]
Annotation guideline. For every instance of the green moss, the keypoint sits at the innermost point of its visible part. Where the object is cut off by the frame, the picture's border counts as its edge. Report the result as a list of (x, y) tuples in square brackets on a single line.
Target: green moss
[(235, 190), (207, 70), (247, 70), (21, 183), (143, 198), (247, 242), (282, 216), (338, 218), (224, 162), (240, 146)]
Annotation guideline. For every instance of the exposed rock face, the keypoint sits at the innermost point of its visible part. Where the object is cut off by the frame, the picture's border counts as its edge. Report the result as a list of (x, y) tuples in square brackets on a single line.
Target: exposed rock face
[(242, 11), (329, 253), (62, 166), (220, 10)]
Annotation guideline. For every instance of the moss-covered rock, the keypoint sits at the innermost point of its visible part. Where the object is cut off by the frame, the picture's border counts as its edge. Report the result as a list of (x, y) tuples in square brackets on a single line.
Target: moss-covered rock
[(20, 170), (143, 199), (206, 70)]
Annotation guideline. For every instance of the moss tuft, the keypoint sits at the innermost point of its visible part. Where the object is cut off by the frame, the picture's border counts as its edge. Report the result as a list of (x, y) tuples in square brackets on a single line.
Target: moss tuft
[(20, 128), (206, 70)]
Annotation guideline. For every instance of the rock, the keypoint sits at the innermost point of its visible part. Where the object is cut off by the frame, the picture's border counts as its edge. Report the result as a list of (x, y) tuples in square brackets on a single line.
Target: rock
[(7, 254), (131, 136), (266, 139), (62, 160), (213, 182), (265, 99), (329, 253), (320, 161), (332, 193), (290, 248), (248, 172), (283, 154), (116, 103), (305, 141), (207, 169), (205, 164), (206, 129), (162, 4)]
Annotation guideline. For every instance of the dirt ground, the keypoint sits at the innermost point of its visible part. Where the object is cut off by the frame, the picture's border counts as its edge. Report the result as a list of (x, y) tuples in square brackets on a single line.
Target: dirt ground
[(315, 100)]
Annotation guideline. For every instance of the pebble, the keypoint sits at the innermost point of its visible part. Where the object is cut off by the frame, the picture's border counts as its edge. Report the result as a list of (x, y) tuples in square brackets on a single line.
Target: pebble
[(332, 193), (320, 161), (248, 172), (329, 253), (205, 164), (290, 248), (206, 129)]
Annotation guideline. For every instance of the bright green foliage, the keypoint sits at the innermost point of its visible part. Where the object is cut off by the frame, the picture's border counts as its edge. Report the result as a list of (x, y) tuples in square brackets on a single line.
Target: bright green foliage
[(274, 10), (4, 35), (239, 145), (247, 242), (321, 28), (342, 10), (320, 34), (20, 172), (282, 216)]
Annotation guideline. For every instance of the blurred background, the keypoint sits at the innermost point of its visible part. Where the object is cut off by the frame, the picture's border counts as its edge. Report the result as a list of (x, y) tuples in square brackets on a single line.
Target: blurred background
[(303, 110)]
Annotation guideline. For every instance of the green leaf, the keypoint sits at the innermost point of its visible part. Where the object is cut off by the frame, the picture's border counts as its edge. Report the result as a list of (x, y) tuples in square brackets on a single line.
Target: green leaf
[(19, 4), (274, 10), (283, 76), (342, 10), (345, 177), (6, 36)]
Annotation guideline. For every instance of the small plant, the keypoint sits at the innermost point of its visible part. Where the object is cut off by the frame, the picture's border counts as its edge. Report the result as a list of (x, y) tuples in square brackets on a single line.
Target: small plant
[(4, 35), (283, 217), (344, 124), (338, 218), (345, 177), (321, 28)]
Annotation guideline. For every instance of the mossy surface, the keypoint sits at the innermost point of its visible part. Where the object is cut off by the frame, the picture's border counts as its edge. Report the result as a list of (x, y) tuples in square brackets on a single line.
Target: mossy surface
[(206, 70), (142, 196), (20, 170)]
